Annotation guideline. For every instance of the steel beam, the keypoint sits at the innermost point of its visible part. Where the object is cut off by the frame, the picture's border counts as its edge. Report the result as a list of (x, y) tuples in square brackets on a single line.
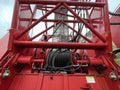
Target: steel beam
[(54, 2), (69, 45), (50, 20), (55, 20)]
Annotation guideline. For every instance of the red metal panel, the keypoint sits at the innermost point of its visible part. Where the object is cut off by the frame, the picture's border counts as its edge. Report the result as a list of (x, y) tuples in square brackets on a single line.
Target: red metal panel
[(25, 82), (53, 82), (115, 29), (57, 82), (4, 45)]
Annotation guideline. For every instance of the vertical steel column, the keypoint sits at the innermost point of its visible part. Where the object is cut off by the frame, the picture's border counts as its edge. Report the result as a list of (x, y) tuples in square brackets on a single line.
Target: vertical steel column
[(107, 27)]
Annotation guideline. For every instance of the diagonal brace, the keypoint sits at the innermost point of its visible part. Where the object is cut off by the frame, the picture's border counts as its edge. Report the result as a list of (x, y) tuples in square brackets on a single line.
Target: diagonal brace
[(35, 23), (86, 24)]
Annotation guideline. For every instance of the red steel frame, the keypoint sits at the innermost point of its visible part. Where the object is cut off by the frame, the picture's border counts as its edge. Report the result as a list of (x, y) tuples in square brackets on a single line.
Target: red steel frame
[(21, 46), (62, 3)]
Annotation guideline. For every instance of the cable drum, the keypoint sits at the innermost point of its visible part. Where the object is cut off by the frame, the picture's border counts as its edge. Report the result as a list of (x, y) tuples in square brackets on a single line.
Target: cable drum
[(62, 59), (59, 59)]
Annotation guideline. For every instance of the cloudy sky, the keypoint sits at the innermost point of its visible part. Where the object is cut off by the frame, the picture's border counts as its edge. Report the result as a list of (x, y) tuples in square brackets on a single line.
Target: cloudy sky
[(6, 11)]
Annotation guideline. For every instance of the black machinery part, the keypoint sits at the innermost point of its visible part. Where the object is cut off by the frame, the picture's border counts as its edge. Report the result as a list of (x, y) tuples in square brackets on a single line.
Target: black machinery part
[(58, 58)]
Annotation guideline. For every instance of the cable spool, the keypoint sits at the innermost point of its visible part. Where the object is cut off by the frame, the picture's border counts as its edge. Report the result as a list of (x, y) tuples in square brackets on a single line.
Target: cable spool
[(58, 59), (62, 59)]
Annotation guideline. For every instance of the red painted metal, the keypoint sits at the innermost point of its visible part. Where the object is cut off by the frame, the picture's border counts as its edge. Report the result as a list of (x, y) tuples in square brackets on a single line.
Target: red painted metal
[(115, 29), (29, 44), (70, 2), (59, 82), (79, 33), (93, 62), (86, 24), (4, 46), (24, 59), (38, 60), (31, 26), (51, 20), (31, 62), (44, 31)]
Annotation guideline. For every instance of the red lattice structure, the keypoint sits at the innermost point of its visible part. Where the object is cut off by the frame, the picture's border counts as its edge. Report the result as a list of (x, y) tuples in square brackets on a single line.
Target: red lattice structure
[(31, 60)]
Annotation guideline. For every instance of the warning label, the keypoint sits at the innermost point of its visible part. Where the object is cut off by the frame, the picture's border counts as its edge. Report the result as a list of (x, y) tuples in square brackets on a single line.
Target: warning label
[(90, 79)]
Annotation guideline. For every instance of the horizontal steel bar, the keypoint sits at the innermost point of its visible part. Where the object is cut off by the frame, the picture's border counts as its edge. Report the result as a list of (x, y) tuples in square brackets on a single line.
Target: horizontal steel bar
[(54, 2), (83, 8), (38, 60), (94, 61), (50, 20), (56, 20), (114, 23), (70, 45)]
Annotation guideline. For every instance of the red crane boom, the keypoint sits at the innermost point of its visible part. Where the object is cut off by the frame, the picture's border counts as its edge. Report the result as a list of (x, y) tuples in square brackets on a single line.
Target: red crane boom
[(59, 45)]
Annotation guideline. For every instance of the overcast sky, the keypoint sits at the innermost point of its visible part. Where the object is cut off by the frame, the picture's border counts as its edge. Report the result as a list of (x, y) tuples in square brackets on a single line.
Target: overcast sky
[(6, 11)]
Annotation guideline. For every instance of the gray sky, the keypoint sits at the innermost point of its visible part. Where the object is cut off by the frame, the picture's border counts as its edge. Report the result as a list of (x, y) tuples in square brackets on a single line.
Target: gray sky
[(6, 10)]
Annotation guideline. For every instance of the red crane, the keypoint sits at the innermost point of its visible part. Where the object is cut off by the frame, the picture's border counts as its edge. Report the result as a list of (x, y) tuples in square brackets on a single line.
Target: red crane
[(115, 25), (59, 45)]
